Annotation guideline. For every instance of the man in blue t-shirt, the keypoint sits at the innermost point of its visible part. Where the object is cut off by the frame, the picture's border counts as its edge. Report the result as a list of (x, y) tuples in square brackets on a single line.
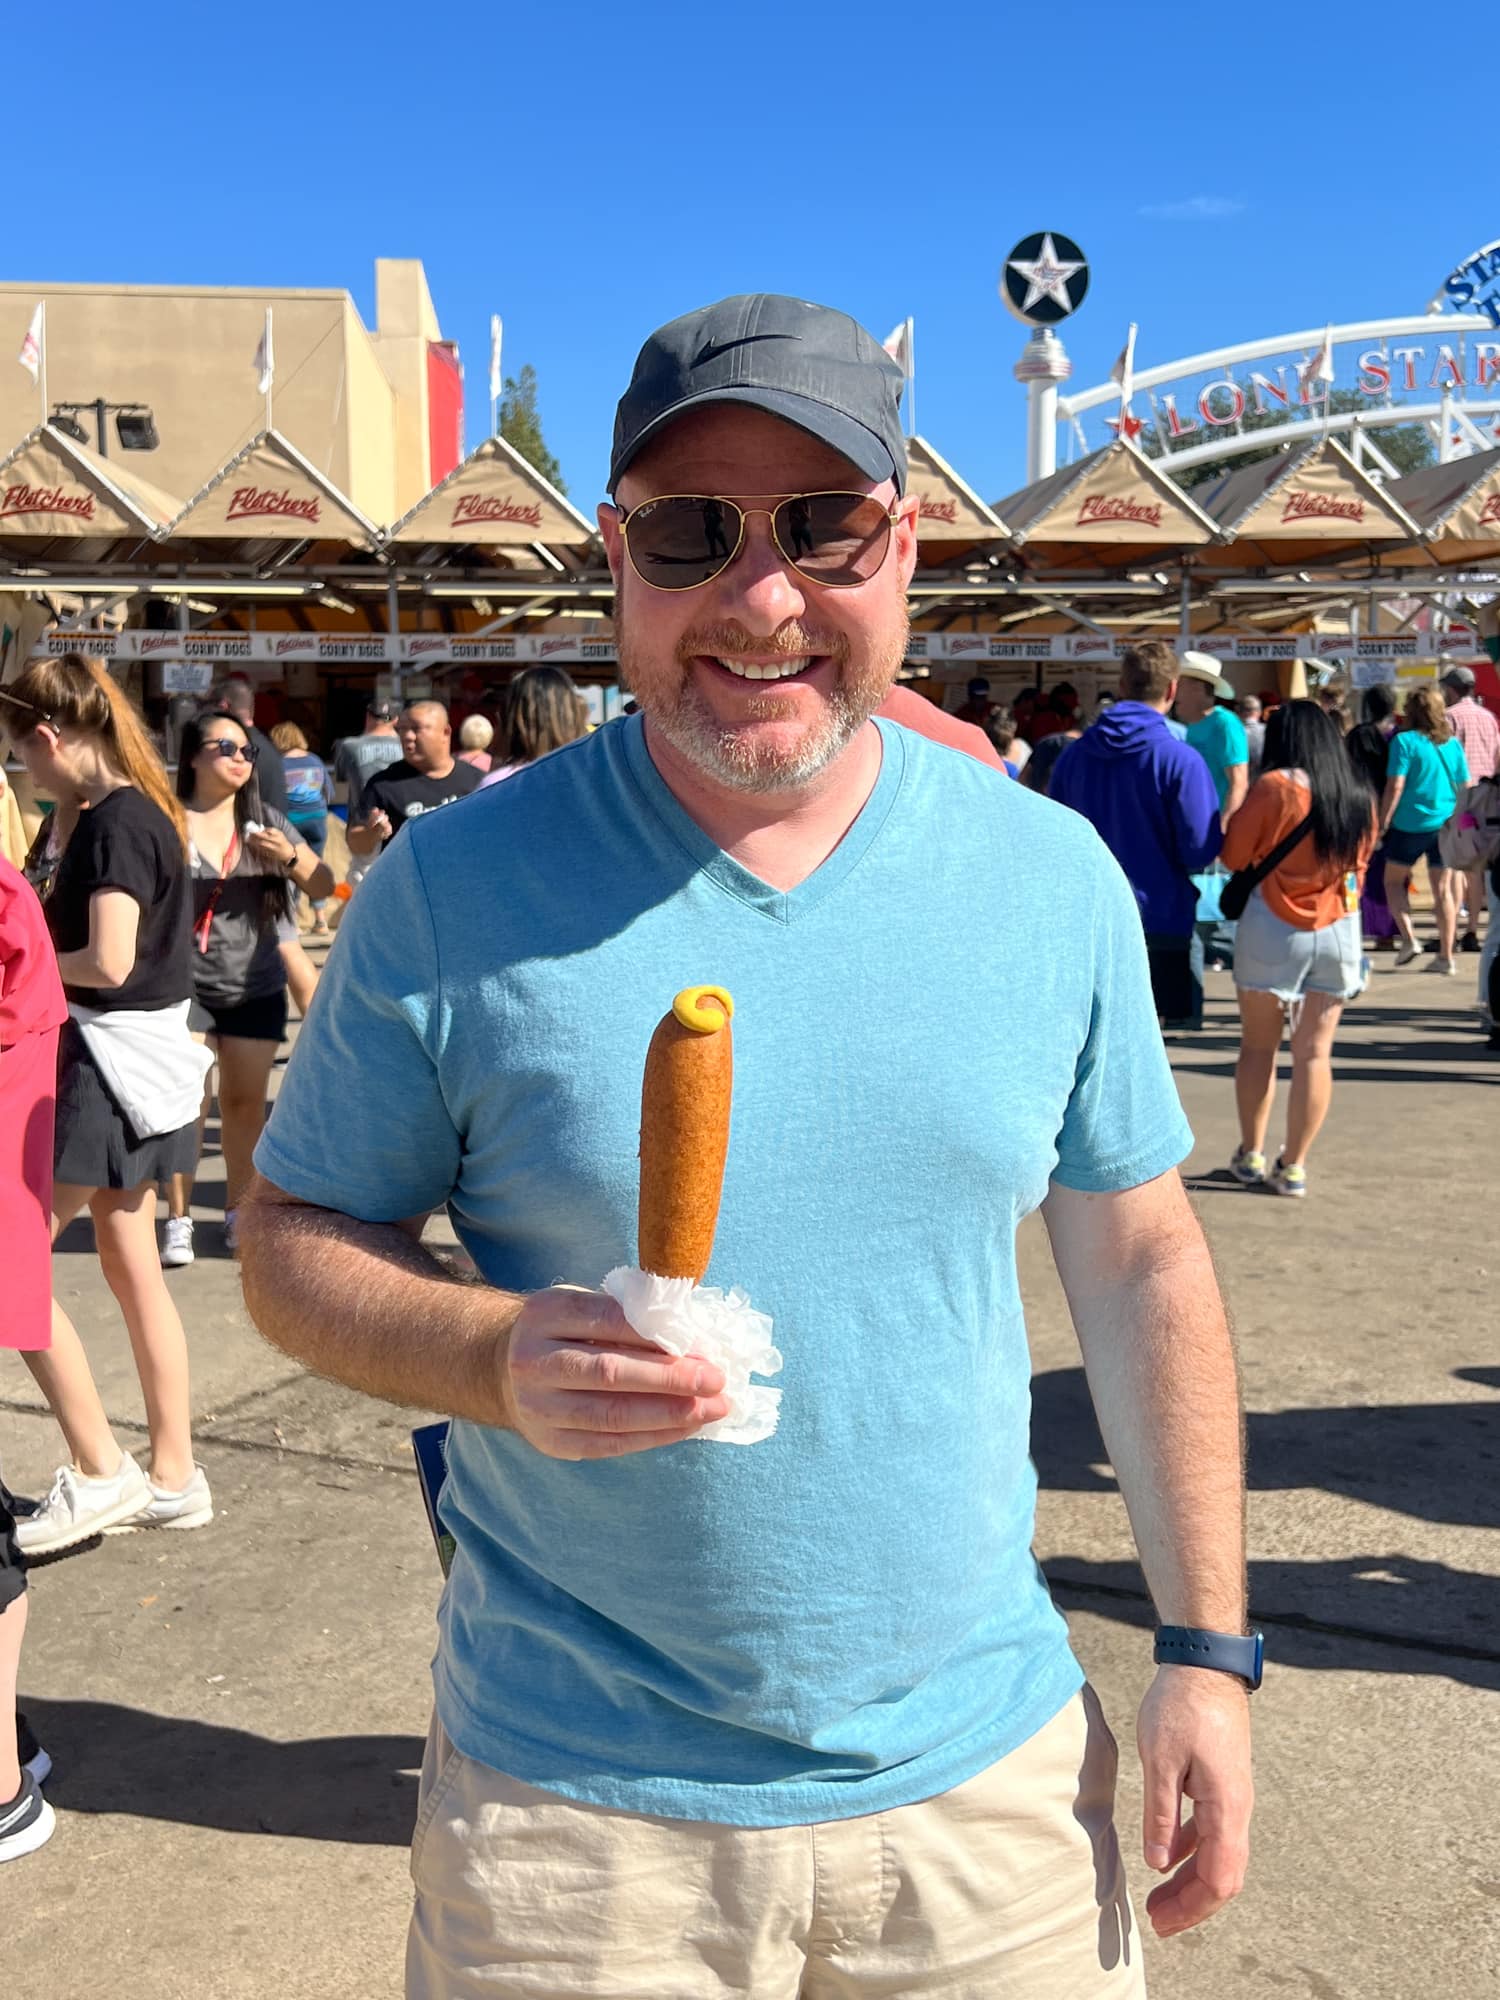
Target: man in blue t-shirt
[(797, 1716)]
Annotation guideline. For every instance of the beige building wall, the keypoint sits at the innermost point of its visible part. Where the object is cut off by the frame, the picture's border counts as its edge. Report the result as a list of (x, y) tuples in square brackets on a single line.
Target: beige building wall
[(188, 352), (404, 323)]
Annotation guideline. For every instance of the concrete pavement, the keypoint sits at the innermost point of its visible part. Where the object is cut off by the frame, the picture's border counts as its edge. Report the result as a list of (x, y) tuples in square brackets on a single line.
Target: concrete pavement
[(236, 1715)]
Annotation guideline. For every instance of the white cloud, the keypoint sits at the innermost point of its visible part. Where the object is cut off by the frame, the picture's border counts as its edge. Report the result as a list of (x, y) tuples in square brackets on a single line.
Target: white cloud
[(1196, 208)]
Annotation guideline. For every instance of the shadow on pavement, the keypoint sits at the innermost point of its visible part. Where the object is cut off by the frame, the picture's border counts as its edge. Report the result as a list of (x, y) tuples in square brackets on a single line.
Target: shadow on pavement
[(1434, 1461), (1437, 1462), (112, 1759), (1374, 1594)]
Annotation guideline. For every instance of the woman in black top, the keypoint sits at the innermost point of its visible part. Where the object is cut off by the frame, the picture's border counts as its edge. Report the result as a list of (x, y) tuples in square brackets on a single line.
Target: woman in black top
[(242, 855), (1369, 746), (119, 912)]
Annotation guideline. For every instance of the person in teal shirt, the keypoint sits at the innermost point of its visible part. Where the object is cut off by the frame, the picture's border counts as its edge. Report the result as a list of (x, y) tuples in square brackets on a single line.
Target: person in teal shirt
[(1426, 777), (648, 1636), (1218, 735)]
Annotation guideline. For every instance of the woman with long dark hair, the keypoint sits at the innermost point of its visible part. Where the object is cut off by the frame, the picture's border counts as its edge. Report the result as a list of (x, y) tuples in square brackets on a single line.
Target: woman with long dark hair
[(540, 711), (113, 874), (1426, 776), (243, 856), (1298, 953)]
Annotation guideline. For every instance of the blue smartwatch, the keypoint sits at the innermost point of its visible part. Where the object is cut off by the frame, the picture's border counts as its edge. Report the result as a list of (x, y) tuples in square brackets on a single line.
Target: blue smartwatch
[(1224, 1652)]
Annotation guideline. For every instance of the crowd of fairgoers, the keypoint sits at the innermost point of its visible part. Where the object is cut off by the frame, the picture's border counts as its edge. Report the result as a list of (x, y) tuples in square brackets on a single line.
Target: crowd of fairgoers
[(172, 919), (1278, 844)]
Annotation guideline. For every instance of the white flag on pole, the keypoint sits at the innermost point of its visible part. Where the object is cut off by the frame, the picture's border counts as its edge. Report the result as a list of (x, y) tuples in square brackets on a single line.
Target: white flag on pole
[(1123, 371), (1126, 424), (265, 358), (30, 356), (897, 345), (1320, 368), (495, 331)]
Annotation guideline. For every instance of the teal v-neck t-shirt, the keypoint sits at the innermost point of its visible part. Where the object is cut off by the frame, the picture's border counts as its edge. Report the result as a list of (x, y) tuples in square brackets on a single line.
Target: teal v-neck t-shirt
[(950, 1014)]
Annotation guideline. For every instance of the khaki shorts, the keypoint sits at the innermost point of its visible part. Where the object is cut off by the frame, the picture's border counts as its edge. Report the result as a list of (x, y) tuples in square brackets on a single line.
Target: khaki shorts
[(1011, 1884)]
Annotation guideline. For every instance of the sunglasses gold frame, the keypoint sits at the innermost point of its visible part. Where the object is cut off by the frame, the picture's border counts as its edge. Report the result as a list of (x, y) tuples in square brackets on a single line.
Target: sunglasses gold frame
[(747, 514)]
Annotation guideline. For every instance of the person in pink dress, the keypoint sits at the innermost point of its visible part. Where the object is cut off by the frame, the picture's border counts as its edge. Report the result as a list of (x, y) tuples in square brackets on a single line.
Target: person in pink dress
[(32, 1010)]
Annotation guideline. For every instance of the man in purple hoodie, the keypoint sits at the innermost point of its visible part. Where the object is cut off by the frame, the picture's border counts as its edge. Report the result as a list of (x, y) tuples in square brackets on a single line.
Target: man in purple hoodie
[(1153, 801)]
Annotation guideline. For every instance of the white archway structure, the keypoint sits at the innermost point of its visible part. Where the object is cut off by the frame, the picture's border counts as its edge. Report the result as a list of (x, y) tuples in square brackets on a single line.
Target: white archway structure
[(1435, 368)]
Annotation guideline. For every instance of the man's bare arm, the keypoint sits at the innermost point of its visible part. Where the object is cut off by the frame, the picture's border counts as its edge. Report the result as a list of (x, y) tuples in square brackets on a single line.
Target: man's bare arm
[(1161, 1370), (364, 1304)]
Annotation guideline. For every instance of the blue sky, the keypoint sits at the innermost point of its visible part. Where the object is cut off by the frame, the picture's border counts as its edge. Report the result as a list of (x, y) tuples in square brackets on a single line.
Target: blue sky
[(590, 171)]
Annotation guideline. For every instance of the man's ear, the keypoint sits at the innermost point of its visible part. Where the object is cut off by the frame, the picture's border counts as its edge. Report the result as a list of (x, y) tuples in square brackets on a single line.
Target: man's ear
[(608, 517)]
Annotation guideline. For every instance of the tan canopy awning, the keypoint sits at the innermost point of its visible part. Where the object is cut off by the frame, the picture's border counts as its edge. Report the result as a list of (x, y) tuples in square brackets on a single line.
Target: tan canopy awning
[(1457, 507), (952, 516), (1107, 511), (267, 495), (494, 500), (60, 502), (1308, 505)]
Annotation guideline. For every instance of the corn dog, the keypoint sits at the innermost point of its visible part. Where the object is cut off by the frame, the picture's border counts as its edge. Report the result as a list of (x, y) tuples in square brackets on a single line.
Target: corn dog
[(685, 1133)]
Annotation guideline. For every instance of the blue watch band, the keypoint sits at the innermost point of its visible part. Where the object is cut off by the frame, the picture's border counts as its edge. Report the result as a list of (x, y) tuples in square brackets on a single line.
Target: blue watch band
[(1224, 1652)]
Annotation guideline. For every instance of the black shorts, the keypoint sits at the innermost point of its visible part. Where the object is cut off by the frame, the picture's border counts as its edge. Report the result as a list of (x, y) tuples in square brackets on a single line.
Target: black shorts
[(262, 1020), (95, 1145), (1410, 848), (12, 1562)]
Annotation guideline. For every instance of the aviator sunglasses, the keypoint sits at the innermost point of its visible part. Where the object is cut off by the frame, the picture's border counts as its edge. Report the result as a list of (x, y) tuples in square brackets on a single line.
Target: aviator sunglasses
[(226, 748), (682, 540)]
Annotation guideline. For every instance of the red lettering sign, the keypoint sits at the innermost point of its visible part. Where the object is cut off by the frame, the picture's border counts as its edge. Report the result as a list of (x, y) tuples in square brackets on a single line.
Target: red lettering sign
[(483, 507), (938, 510), (46, 500), (251, 502), (1300, 506), (1489, 514), (1100, 507)]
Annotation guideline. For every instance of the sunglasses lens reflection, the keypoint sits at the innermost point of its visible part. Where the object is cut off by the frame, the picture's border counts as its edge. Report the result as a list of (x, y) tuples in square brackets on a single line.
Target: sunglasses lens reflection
[(684, 539), (834, 538)]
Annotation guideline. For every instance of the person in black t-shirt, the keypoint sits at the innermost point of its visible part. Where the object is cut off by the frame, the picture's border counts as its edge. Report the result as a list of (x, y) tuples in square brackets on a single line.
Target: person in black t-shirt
[(428, 776), (119, 913), (243, 854)]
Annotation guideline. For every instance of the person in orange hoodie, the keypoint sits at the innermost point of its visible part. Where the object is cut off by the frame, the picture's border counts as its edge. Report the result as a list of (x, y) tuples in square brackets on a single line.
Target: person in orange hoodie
[(1298, 953)]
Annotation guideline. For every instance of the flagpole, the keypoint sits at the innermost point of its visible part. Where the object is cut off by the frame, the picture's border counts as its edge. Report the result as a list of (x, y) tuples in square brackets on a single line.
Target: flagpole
[(495, 376), (911, 377)]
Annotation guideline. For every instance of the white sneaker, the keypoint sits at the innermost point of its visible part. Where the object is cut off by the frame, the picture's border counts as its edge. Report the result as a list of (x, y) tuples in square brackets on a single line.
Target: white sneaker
[(1443, 967), (177, 1243), (189, 1506), (79, 1507), (27, 1823), (1405, 952)]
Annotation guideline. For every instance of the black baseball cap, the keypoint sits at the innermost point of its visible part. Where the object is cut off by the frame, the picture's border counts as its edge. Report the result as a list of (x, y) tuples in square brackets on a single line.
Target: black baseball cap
[(383, 711), (1459, 677), (812, 366)]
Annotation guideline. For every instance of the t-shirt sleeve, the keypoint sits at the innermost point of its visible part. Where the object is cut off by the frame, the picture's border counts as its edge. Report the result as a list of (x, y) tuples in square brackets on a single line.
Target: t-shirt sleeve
[(1403, 749), (360, 1124), (1245, 838), (1124, 1122), (283, 825), (1236, 742), (119, 852)]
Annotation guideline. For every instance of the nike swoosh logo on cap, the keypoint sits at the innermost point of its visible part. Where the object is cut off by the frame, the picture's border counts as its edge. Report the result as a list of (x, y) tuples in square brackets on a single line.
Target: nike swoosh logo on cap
[(712, 349)]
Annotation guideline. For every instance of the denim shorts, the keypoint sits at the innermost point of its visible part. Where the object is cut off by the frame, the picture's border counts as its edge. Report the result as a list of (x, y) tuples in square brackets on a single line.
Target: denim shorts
[(1271, 956)]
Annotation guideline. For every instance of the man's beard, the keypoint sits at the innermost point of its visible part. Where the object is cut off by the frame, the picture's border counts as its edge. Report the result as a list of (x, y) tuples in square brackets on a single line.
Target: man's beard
[(730, 755)]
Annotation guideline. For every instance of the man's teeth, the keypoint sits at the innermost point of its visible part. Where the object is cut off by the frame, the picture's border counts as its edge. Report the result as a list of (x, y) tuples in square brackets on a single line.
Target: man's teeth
[(766, 670)]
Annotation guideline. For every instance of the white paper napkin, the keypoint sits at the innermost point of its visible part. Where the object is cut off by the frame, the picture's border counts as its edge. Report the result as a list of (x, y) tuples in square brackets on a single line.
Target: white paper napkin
[(680, 1317)]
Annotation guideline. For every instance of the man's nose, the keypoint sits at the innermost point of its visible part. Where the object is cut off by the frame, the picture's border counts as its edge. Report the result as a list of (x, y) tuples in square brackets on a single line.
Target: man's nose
[(760, 587)]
